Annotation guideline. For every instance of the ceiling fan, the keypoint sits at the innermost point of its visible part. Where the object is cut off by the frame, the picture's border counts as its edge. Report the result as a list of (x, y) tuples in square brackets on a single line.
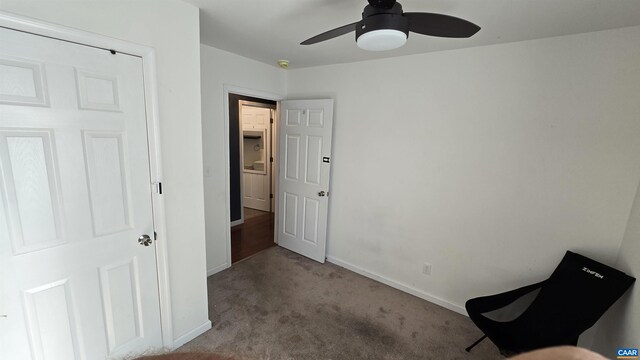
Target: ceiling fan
[(384, 26)]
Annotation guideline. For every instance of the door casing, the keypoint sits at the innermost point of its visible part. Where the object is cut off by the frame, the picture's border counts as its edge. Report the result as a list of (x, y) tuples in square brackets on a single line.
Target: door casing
[(37, 27)]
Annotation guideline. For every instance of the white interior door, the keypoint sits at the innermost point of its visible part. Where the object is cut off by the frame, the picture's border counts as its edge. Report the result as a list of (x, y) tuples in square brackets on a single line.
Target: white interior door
[(76, 195), (303, 181), (255, 155)]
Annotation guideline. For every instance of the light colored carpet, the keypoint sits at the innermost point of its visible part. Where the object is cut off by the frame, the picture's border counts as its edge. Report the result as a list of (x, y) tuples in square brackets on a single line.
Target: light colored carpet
[(279, 305)]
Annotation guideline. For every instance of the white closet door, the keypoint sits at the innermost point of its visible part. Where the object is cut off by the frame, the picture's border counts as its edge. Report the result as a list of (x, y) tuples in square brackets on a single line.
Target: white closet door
[(76, 196)]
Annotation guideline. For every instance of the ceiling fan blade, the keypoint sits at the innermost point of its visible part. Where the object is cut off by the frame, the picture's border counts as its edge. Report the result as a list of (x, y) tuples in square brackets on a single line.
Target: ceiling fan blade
[(440, 25), (331, 34)]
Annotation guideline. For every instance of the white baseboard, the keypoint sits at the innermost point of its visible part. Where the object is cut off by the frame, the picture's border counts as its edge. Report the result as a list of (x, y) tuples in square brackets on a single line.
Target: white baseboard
[(400, 286), (237, 222), (191, 334), (217, 269)]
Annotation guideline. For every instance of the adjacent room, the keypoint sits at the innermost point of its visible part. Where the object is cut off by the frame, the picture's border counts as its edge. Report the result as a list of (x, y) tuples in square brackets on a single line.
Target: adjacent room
[(373, 179)]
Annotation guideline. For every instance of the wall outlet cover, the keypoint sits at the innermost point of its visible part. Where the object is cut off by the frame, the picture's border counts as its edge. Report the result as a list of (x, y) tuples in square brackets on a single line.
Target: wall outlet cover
[(426, 269)]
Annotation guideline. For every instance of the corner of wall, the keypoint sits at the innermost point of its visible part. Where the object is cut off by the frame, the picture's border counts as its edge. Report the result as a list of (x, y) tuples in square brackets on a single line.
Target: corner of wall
[(620, 326)]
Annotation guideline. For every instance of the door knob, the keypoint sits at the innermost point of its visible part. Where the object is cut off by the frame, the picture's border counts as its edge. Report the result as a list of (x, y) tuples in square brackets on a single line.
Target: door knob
[(322, 193), (144, 240)]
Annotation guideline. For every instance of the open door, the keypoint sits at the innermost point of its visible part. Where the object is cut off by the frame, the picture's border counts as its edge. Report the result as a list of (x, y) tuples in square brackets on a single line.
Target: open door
[(303, 181)]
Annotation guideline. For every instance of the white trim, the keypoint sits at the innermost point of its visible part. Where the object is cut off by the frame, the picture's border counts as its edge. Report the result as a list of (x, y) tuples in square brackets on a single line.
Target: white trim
[(191, 335), (275, 145), (274, 154), (240, 161), (148, 55), (226, 89), (237, 222), (398, 285), (217, 269), (257, 104), (241, 188)]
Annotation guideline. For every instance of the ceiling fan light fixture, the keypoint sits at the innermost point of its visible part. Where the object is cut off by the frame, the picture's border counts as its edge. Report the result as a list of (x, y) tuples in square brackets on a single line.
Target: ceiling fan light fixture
[(385, 26), (381, 40)]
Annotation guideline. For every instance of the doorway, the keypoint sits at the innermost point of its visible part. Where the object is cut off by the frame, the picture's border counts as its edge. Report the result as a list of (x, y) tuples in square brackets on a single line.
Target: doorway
[(301, 134), (252, 185)]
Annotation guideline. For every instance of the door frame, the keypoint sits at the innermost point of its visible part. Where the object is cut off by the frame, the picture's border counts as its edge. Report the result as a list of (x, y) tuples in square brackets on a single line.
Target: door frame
[(147, 54), (233, 89), (267, 162)]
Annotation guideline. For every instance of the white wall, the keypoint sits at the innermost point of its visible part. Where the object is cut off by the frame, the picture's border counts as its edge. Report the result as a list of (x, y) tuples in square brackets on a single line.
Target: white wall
[(489, 162), (220, 68), (620, 327), (171, 27)]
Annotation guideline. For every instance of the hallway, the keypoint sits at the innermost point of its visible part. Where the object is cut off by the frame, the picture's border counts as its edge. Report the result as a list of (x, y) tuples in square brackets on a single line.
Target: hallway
[(253, 236)]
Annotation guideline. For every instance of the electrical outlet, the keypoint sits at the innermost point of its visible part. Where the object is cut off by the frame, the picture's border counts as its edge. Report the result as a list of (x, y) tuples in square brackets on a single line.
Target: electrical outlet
[(426, 269)]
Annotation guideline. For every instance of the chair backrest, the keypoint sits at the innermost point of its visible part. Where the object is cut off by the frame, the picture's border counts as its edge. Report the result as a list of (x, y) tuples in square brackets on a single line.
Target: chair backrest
[(576, 295)]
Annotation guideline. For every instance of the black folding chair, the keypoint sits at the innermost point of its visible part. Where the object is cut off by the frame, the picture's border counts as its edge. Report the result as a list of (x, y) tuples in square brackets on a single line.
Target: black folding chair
[(569, 302)]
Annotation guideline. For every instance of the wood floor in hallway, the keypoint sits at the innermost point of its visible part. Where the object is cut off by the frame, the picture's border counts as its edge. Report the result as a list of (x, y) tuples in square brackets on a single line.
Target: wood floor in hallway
[(251, 237)]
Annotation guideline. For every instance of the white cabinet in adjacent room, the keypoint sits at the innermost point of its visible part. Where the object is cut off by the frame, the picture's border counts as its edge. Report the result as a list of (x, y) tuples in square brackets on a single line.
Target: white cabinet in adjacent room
[(256, 154)]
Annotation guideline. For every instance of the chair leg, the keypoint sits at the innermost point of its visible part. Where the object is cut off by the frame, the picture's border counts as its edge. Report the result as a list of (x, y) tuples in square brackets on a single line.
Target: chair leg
[(476, 343)]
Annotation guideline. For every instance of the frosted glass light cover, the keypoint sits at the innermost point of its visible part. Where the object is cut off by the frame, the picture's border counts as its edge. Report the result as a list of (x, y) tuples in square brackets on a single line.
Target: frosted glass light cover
[(381, 40)]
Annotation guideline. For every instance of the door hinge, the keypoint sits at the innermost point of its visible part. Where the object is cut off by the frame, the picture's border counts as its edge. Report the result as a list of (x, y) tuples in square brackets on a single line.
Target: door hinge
[(270, 196), (271, 159), (271, 120), (155, 235), (158, 187), (326, 159)]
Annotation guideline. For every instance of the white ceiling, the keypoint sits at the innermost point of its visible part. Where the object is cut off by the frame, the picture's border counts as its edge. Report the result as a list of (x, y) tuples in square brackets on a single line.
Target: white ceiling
[(269, 30)]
